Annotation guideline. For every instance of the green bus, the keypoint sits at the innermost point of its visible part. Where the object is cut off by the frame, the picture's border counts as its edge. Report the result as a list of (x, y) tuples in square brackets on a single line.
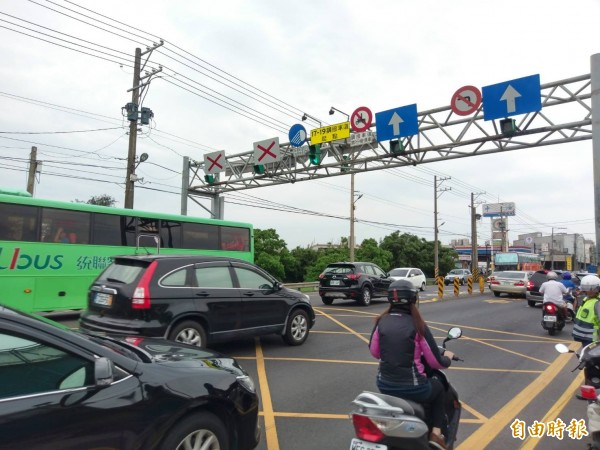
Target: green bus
[(51, 251)]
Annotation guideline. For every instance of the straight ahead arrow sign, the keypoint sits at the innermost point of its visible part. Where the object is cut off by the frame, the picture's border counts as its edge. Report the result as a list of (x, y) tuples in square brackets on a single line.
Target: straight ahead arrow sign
[(509, 96), (395, 122)]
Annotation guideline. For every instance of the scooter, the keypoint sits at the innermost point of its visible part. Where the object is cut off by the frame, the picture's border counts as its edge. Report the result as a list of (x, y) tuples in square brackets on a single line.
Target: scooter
[(589, 361), (553, 319), (385, 422)]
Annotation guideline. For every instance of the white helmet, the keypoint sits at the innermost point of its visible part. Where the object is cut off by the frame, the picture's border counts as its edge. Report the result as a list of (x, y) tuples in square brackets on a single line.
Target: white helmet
[(590, 283), (552, 275)]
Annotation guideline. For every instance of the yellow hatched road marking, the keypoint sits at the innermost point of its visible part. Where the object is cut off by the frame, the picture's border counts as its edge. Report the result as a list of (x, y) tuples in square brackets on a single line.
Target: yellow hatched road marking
[(267, 404)]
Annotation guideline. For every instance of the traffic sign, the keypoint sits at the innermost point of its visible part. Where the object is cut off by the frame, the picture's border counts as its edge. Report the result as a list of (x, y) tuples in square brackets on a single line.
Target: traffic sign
[(466, 100), (297, 135), (361, 119), (267, 151), (397, 123), (511, 98), (330, 133), (214, 162)]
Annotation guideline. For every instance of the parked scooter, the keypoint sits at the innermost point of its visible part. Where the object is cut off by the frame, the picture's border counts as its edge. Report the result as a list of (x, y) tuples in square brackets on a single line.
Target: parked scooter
[(553, 319), (385, 422), (589, 361)]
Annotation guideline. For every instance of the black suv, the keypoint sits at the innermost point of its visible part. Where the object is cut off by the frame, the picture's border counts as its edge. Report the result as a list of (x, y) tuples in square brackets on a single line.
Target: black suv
[(356, 280), (533, 294), (62, 389), (197, 300)]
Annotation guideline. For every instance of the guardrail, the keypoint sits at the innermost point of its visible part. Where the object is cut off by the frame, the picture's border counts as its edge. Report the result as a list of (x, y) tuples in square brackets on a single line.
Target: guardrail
[(312, 285)]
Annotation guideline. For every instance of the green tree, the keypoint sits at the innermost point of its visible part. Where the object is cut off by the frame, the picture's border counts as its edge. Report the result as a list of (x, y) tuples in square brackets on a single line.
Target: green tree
[(101, 200), (297, 262), (324, 258), (370, 251), (270, 251)]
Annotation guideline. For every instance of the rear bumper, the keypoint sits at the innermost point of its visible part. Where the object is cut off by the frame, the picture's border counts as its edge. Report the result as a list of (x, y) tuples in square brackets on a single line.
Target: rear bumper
[(90, 321), (534, 296), (509, 290), (337, 292)]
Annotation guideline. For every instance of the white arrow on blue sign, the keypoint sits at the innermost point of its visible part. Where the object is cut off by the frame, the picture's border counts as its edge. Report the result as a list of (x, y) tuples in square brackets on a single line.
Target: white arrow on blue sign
[(511, 98), (396, 123)]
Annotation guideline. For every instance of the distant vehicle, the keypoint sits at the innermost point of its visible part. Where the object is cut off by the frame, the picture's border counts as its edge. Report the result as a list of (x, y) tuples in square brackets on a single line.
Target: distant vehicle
[(533, 294), (412, 274), (360, 281), (461, 274), (510, 282), (517, 261), (52, 251), (196, 300), (62, 389)]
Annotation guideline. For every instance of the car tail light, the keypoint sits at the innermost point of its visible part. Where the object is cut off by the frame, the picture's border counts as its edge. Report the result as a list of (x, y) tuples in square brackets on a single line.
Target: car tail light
[(366, 429), (494, 282), (520, 283), (141, 295), (322, 275), (353, 276), (529, 285), (588, 392), (550, 308)]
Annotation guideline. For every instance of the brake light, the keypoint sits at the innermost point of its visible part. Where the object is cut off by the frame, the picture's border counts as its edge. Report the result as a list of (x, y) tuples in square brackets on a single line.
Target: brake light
[(353, 276), (520, 283), (366, 429), (550, 308), (588, 392), (141, 294), (495, 282), (529, 285)]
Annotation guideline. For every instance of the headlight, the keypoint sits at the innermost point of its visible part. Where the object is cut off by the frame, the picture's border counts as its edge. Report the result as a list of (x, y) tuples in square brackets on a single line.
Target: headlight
[(247, 383)]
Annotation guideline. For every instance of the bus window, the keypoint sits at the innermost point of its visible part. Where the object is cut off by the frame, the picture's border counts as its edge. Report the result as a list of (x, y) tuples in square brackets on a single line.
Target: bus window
[(235, 239), (201, 236), (19, 223), (106, 230), (170, 234), (64, 226)]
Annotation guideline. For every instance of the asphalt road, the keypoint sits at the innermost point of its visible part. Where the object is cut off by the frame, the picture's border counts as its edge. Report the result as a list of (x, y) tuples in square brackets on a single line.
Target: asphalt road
[(511, 374)]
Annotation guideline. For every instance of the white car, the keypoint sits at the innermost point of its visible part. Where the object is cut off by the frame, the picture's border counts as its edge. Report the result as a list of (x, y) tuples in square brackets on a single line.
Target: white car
[(412, 274)]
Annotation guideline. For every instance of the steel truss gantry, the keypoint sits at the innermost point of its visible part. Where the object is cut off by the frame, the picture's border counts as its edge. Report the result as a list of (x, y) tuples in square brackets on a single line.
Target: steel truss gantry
[(566, 116)]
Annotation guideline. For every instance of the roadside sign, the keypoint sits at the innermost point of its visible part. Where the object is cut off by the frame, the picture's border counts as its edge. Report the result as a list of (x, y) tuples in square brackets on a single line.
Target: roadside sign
[(214, 162), (397, 123), (297, 135), (498, 209), (466, 100), (267, 151), (512, 98), (330, 133), (361, 119)]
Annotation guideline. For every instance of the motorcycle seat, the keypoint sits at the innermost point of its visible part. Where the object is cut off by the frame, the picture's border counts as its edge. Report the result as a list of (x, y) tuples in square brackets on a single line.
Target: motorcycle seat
[(408, 406)]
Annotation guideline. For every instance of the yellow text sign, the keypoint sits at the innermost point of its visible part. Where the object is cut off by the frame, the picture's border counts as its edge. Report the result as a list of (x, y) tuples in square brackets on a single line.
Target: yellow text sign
[(330, 133)]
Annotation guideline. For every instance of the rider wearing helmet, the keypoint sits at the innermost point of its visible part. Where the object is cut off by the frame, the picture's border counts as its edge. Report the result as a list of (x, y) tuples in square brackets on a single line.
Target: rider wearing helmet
[(401, 340), (571, 287), (587, 322), (554, 291)]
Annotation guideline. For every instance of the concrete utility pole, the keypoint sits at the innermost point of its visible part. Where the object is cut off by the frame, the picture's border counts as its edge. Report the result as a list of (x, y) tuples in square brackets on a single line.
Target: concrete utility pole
[(32, 169), (474, 247), (436, 264), (351, 244), (133, 116)]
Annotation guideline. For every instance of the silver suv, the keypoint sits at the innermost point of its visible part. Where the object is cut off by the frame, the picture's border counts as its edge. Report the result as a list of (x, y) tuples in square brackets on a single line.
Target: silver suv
[(461, 274)]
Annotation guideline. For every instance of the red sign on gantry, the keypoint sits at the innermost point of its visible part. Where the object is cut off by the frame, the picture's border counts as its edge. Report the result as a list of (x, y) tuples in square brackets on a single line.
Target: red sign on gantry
[(466, 100), (267, 151), (214, 162)]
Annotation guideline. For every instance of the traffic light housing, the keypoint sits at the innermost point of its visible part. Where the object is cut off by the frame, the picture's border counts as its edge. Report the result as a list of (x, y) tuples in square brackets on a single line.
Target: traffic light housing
[(259, 169), (210, 179), (396, 147), (314, 154), (146, 115), (345, 165), (508, 127)]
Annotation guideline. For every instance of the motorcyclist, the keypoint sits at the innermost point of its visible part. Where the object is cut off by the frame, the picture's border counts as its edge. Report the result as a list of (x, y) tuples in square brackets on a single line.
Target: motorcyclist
[(572, 290), (554, 292), (587, 320), (400, 339)]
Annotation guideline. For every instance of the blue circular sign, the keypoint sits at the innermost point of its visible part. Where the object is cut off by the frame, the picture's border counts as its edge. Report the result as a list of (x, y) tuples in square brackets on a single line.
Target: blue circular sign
[(297, 135)]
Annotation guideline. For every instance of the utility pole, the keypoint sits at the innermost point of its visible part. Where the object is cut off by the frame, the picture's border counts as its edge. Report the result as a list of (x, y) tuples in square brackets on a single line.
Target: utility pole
[(32, 169), (474, 247), (436, 265), (133, 116), (352, 208)]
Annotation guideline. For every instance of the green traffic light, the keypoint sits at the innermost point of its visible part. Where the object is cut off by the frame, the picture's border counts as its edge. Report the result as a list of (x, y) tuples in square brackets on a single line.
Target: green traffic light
[(314, 154)]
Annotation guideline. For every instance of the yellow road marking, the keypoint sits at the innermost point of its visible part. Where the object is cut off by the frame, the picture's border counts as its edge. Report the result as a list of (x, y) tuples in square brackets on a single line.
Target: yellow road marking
[(531, 443), (345, 327), (267, 404), (508, 351), (480, 417), (489, 430), (490, 330)]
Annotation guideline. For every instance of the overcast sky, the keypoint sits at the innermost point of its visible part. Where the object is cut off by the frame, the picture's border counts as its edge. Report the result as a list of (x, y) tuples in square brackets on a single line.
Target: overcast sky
[(303, 57)]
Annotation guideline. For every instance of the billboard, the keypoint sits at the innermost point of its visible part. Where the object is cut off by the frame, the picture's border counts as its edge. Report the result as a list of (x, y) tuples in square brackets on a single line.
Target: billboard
[(498, 209)]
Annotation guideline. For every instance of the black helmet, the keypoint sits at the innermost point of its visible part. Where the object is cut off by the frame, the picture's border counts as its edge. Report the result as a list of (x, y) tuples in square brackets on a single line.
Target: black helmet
[(402, 292)]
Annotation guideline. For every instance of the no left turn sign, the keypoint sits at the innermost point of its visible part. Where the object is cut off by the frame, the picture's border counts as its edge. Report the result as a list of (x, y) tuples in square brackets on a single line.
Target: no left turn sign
[(466, 100), (361, 119)]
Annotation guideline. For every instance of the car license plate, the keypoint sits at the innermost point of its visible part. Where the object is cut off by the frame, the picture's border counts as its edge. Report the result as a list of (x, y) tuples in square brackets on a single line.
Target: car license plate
[(334, 283), (358, 444), (100, 298), (549, 318)]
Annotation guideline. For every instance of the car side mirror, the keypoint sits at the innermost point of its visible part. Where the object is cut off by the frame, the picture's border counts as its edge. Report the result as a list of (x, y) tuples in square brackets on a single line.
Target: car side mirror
[(103, 371)]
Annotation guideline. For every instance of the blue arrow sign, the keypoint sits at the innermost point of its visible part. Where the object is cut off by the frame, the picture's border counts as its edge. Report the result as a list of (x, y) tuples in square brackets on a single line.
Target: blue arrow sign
[(511, 98), (397, 123)]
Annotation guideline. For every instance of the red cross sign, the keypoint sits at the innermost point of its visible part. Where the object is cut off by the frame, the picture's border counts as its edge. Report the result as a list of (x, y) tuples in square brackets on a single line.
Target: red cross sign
[(214, 162), (267, 151)]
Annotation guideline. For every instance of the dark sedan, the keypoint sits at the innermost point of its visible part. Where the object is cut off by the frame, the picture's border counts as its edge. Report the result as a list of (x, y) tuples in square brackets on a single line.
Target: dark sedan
[(61, 389)]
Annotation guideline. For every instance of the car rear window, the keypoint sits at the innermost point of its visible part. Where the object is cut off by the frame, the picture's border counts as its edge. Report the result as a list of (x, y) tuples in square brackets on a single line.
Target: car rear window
[(339, 269), (122, 271), (511, 275), (399, 273), (538, 278)]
